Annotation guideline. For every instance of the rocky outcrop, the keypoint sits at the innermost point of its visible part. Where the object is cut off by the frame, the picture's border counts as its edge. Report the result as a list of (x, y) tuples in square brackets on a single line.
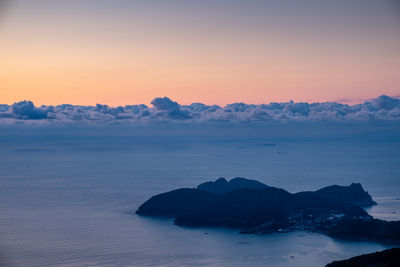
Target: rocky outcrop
[(385, 258), (222, 186), (353, 193)]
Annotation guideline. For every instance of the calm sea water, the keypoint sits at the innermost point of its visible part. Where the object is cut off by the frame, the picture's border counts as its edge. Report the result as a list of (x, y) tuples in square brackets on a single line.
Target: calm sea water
[(67, 194)]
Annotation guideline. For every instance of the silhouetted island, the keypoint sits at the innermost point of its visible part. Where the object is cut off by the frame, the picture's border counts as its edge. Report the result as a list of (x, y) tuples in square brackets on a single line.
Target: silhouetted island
[(253, 207), (386, 258)]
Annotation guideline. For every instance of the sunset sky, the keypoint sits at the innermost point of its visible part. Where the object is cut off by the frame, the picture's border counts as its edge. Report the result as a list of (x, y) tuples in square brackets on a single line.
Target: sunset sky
[(120, 52)]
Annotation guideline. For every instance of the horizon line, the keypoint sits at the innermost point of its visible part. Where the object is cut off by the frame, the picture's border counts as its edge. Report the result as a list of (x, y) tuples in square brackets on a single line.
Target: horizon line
[(344, 101)]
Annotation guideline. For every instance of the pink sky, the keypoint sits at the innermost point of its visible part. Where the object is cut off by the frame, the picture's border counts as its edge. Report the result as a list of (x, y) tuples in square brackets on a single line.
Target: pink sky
[(55, 52)]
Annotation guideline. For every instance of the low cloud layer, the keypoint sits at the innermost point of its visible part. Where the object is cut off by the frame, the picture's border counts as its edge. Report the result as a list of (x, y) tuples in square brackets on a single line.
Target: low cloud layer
[(164, 109)]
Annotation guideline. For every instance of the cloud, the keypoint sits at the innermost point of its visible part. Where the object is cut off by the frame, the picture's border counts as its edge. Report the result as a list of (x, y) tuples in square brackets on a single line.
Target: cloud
[(4, 108), (166, 110), (26, 110), (384, 103), (171, 108)]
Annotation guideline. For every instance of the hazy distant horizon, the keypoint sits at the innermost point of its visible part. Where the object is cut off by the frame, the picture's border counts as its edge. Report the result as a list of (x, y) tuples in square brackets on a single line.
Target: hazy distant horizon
[(345, 101)]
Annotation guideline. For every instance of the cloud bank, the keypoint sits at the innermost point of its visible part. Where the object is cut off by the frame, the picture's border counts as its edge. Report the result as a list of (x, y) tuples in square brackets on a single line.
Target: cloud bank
[(167, 110)]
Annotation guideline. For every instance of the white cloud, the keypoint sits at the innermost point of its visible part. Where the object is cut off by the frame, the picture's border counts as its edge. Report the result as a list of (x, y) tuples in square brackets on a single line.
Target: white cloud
[(164, 109)]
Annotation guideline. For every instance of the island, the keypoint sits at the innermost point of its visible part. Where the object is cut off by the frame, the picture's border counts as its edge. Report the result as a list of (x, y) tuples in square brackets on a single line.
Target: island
[(255, 208)]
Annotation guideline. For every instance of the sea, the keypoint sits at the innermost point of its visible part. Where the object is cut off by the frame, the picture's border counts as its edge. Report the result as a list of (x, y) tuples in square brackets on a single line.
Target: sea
[(68, 193)]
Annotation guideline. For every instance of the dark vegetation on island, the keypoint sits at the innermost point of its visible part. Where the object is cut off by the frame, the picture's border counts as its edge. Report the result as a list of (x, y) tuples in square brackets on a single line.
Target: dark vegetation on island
[(253, 207), (385, 258)]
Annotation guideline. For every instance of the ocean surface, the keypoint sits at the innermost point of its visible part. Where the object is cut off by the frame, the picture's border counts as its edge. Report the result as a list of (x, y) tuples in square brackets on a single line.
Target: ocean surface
[(68, 194)]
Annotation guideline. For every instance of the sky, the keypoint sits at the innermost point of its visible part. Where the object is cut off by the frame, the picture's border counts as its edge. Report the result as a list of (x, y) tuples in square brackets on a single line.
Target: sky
[(123, 52)]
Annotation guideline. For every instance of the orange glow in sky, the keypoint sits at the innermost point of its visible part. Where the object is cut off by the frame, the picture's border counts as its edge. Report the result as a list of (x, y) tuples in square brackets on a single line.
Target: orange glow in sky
[(55, 52)]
